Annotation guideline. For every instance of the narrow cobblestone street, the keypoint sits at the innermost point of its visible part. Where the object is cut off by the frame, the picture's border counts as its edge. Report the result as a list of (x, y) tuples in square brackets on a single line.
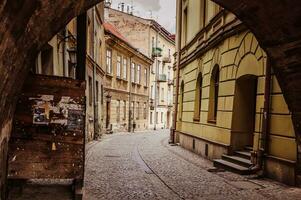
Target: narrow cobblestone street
[(144, 166)]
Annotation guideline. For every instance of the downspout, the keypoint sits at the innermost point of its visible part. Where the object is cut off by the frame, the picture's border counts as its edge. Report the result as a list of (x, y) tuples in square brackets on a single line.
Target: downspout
[(266, 114), (130, 97), (262, 153), (156, 86), (179, 41)]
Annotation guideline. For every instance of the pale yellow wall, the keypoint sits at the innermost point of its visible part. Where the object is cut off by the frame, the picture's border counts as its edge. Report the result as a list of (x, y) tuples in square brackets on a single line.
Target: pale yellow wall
[(237, 56)]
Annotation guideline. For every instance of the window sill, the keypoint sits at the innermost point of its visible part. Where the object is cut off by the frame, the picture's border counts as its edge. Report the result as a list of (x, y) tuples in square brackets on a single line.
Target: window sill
[(109, 75), (196, 119), (212, 121)]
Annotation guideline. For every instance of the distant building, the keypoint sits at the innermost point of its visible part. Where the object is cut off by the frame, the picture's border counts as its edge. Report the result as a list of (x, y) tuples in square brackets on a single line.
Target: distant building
[(221, 111), (155, 42), (56, 60), (126, 84)]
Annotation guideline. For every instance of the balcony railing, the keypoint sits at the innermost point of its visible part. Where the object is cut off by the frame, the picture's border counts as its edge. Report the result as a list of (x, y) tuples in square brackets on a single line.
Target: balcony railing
[(167, 59), (157, 52), (162, 78)]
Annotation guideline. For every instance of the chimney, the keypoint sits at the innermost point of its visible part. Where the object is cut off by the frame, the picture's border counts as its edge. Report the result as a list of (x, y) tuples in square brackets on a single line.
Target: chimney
[(122, 7)]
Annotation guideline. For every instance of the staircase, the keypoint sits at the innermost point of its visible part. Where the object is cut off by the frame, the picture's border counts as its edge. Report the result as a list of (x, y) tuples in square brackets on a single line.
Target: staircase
[(239, 163)]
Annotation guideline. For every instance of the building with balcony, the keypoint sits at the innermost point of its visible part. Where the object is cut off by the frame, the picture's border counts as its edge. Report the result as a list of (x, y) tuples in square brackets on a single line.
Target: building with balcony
[(126, 88), (230, 107), (157, 43), (58, 58)]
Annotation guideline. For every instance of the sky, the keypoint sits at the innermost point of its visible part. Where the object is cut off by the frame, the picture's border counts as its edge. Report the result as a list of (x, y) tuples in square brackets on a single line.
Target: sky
[(163, 11)]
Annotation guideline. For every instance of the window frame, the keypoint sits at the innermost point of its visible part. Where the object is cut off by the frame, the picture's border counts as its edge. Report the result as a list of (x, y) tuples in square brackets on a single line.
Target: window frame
[(109, 55)]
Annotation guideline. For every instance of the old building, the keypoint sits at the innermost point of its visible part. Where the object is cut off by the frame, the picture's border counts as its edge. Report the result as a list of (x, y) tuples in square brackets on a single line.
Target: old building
[(58, 58), (155, 42), (126, 84), (230, 106)]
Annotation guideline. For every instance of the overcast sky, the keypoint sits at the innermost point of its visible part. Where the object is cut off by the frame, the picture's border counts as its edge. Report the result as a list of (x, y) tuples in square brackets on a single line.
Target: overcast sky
[(163, 11)]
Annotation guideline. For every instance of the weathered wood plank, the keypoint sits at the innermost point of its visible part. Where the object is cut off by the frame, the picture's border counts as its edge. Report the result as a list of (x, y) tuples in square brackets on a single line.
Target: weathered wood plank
[(48, 132)]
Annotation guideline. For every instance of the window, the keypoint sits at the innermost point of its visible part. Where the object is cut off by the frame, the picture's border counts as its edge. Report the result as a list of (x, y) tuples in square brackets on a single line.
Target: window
[(162, 94), (144, 111), (198, 98), (157, 117), (162, 117), (124, 110), (151, 118), (47, 60), (153, 42), (124, 69), (91, 37), (138, 77), (213, 96), (101, 97), (118, 111), (152, 92), (118, 67), (185, 26), (138, 111), (203, 13), (157, 94), (145, 77), (181, 101), (109, 61), (132, 110), (133, 73), (90, 90), (97, 92)]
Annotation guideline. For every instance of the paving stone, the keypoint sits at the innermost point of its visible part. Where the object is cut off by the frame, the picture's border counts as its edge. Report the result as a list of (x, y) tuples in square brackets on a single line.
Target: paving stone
[(144, 166)]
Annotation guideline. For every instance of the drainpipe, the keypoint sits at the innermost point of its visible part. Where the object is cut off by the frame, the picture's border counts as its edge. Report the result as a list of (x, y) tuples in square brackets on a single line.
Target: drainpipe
[(156, 85), (130, 97), (262, 153), (179, 41), (266, 113), (95, 110)]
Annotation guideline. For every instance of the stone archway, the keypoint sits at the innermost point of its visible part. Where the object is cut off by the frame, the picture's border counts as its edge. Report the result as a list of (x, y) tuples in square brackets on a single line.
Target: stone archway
[(25, 26), (277, 27)]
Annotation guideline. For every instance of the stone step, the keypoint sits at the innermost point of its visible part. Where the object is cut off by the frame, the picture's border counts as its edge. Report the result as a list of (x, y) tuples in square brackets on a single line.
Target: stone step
[(238, 160), (229, 166), (248, 148), (243, 154)]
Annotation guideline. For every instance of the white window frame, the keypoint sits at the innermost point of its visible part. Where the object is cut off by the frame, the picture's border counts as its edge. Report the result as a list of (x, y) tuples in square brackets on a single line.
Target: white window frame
[(118, 66), (124, 70), (109, 61)]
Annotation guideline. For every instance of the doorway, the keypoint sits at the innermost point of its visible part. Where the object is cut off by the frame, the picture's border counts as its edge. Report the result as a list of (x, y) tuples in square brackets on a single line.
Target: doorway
[(108, 114), (244, 112)]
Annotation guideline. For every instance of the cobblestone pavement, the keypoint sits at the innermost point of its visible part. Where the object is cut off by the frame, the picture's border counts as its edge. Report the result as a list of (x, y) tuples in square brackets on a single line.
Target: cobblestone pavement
[(144, 166)]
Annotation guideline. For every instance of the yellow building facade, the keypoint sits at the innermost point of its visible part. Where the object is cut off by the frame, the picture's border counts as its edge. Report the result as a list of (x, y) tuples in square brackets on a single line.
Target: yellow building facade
[(222, 81)]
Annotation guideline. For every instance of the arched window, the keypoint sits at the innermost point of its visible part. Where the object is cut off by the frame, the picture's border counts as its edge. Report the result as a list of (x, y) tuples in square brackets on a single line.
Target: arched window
[(213, 98), (181, 101), (198, 98)]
